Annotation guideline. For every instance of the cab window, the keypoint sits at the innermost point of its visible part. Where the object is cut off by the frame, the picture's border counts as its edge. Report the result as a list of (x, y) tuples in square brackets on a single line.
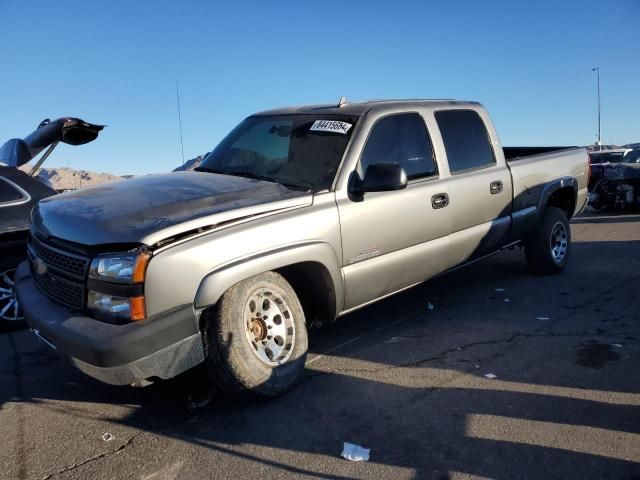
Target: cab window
[(402, 139), (466, 140)]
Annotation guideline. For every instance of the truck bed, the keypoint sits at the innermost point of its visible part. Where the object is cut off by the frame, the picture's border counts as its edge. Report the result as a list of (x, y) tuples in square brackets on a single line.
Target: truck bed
[(513, 153), (532, 173)]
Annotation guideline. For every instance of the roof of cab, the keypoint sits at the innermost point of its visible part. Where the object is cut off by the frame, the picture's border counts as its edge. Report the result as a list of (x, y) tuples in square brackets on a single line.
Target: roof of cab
[(360, 108)]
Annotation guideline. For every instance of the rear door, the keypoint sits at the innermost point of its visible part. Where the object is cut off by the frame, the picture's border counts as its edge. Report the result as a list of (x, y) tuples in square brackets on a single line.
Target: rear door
[(391, 240), (479, 187)]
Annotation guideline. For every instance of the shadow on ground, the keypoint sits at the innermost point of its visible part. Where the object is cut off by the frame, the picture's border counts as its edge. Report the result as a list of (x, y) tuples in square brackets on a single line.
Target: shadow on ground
[(409, 383)]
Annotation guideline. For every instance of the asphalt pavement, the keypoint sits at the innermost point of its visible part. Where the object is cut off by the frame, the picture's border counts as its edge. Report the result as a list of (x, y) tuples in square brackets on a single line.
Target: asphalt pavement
[(408, 382)]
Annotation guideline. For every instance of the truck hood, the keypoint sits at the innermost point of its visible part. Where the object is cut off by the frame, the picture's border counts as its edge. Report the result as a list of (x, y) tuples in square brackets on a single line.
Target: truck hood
[(156, 207)]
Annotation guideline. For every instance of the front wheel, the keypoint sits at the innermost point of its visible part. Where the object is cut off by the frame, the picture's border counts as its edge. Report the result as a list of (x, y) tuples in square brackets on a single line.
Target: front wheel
[(256, 338), (548, 249)]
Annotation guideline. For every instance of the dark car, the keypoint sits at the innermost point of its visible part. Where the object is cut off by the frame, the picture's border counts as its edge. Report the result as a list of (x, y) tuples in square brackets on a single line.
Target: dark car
[(20, 191), (615, 185), (599, 160)]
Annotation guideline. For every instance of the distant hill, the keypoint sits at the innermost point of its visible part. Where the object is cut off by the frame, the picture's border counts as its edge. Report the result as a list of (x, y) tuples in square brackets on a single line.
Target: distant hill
[(63, 178)]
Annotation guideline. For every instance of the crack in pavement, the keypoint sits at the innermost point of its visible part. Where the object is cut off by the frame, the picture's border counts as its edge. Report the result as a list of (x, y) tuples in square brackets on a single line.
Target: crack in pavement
[(445, 353), (574, 310), (149, 428), (73, 466)]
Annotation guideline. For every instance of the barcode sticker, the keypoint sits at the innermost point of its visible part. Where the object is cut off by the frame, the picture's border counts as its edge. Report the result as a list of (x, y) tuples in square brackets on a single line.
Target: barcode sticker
[(333, 126)]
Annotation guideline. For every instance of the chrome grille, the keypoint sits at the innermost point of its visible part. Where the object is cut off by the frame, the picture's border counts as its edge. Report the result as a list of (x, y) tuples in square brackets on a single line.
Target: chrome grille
[(61, 275)]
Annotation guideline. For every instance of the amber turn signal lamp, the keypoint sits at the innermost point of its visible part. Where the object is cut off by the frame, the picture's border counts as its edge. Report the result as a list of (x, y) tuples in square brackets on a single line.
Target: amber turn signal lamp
[(140, 267), (137, 308)]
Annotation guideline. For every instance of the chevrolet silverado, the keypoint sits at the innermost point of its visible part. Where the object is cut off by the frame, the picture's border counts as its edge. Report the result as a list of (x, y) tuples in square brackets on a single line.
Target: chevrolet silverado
[(299, 216)]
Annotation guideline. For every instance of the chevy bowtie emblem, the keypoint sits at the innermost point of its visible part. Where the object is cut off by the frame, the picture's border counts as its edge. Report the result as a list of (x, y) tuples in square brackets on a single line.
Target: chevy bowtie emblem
[(41, 267)]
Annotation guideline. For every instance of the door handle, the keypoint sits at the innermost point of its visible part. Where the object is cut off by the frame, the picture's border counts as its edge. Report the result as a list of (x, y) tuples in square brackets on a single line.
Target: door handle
[(440, 200), (495, 187)]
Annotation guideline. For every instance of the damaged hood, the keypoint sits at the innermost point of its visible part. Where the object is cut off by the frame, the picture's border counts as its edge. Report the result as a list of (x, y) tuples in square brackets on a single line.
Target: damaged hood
[(156, 207)]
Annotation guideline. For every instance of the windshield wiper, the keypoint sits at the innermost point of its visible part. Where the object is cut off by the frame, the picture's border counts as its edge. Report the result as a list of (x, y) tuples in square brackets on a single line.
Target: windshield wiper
[(265, 178), (250, 174), (208, 170), (236, 173)]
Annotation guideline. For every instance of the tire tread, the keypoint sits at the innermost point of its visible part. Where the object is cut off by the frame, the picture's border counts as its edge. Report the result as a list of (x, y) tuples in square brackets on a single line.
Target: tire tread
[(539, 259)]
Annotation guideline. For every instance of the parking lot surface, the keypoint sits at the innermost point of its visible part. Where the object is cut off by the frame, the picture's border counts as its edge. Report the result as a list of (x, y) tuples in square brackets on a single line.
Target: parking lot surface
[(406, 381)]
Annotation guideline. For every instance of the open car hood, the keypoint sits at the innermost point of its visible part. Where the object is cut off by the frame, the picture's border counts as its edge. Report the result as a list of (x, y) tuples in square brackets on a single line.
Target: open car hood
[(69, 130)]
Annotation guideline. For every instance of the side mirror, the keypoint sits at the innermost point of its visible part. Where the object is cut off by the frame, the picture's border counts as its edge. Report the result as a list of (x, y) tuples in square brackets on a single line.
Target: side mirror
[(381, 177)]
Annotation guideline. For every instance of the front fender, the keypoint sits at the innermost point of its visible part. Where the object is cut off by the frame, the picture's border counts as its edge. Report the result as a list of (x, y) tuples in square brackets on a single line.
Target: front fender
[(216, 282)]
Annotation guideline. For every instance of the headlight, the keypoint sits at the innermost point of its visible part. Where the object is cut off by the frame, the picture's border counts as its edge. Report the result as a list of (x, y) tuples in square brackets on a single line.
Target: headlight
[(125, 308), (124, 301), (127, 267)]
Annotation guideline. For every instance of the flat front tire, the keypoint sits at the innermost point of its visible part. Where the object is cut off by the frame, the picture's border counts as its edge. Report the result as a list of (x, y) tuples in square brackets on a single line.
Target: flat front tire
[(256, 338), (548, 249)]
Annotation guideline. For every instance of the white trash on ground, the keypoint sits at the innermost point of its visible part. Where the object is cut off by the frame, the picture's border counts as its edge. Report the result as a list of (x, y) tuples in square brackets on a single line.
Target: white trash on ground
[(355, 453), (430, 306), (107, 437), (490, 376), (499, 289), (618, 345), (507, 300), (543, 318)]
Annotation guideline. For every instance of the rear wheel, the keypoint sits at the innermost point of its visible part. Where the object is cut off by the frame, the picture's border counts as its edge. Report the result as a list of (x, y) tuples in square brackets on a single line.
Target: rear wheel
[(547, 251), (256, 338)]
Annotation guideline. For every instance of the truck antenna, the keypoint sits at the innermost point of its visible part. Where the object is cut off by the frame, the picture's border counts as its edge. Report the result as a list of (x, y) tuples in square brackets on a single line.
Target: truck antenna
[(343, 101), (180, 124)]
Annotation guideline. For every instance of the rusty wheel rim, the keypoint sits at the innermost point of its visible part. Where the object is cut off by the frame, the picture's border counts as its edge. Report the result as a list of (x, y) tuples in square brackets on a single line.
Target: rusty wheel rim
[(269, 327)]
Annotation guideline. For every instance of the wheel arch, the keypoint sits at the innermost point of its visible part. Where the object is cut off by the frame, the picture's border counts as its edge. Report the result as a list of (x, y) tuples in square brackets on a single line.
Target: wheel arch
[(312, 269), (562, 194)]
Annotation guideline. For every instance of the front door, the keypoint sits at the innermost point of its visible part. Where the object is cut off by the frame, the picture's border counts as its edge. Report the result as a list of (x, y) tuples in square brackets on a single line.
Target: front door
[(391, 240)]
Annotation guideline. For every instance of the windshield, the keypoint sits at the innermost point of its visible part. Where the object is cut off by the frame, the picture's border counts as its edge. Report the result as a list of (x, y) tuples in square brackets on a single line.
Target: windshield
[(297, 151)]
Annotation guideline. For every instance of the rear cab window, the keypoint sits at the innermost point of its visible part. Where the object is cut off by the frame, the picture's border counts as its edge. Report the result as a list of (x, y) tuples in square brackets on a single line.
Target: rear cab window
[(466, 140), (403, 139)]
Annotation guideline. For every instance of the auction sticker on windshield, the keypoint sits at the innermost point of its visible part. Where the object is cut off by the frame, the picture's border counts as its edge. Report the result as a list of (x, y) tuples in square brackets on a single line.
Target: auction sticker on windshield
[(333, 126)]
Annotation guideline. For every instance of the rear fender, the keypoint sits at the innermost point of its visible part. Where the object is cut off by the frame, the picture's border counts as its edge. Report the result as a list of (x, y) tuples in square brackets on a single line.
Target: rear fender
[(553, 187)]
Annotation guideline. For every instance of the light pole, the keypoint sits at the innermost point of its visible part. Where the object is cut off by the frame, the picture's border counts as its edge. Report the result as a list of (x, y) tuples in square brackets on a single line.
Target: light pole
[(597, 69)]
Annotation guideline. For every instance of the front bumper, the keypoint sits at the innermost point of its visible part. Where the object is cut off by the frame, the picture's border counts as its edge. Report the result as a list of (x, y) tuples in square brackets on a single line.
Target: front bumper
[(159, 347)]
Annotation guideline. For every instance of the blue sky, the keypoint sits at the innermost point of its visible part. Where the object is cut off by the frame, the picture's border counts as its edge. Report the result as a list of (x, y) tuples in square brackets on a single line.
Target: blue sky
[(117, 62)]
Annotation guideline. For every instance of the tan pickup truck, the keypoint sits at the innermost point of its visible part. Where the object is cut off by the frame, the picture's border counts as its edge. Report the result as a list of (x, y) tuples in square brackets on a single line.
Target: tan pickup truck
[(299, 216)]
